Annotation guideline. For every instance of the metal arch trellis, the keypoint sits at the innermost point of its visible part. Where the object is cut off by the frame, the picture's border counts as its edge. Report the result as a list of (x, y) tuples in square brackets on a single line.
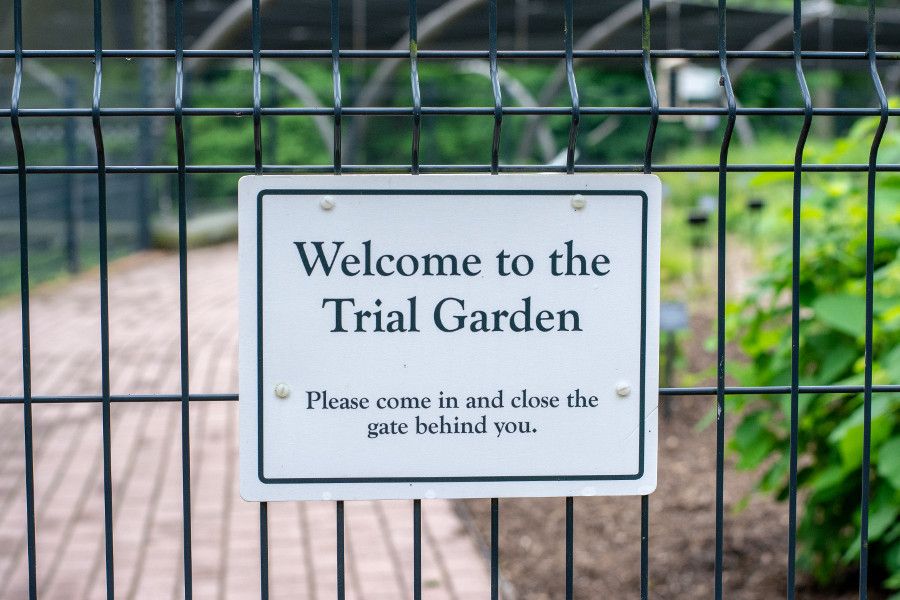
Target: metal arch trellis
[(568, 56)]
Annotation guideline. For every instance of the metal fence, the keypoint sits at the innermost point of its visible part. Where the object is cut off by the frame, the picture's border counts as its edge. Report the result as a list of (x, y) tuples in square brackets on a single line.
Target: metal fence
[(27, 173), (62, 205)]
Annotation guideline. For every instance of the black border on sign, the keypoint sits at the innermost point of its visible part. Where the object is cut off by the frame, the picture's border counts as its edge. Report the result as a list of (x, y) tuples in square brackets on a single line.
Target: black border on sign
[(455, 192)]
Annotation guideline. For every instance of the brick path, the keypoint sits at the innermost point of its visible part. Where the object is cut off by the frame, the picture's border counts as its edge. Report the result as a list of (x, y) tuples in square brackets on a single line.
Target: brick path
[(146, 463)]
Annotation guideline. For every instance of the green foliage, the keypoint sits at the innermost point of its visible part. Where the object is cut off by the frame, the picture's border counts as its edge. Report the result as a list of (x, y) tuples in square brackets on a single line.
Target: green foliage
[(832, 330), (229, 140)]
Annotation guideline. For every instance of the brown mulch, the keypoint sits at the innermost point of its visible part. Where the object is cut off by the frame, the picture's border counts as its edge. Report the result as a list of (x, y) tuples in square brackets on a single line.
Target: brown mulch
[(682, 525)]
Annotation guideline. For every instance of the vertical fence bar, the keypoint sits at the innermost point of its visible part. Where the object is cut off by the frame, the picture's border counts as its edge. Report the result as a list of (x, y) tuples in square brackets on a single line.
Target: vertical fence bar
[(651, 84), (414, 81), (645, 547), (336, 80), (495, 162), (568, 26), (104, 299), (495, 549), (648, 163), (725, 81), (256, 41), (264, 550), (870, 290), (26, 300), (414, 168), (495, 85), (183, 303), (570, 547), (573, 87), (339, 518), (795, 302), (417, 550)]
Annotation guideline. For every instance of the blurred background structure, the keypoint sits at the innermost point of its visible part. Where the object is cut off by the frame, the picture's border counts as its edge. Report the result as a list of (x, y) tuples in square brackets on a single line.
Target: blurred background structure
[(63, 205)]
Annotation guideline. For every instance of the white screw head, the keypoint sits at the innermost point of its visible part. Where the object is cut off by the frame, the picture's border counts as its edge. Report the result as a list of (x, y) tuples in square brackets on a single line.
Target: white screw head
[(578, 202), (623, 389), (282, 390), (327, 203)]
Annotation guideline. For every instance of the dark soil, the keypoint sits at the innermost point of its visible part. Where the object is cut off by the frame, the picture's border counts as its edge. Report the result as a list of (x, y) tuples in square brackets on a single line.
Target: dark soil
[(682, 525)]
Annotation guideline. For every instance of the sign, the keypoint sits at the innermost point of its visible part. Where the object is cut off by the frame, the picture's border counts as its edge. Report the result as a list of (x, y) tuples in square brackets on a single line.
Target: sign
[(448, 336)]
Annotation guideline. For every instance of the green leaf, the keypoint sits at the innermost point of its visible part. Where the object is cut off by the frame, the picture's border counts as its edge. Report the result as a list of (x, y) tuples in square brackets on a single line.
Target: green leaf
[(753, 440), (882, 516), (852, 551), (892, 557), (889, 462), (828, 478), (842, 312), (892, 536), (848, 436), (892, 364), (883, 513), (837, 360)]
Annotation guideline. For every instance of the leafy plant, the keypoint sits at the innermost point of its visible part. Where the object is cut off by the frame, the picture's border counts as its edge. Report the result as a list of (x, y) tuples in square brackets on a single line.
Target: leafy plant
[(831, 351)]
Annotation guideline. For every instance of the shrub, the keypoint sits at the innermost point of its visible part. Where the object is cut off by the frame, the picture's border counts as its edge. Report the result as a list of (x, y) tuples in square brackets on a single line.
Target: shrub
[(832, 299)]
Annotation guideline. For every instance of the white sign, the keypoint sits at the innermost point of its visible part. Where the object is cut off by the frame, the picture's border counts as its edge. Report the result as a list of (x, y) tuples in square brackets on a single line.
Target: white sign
[(448, 336)]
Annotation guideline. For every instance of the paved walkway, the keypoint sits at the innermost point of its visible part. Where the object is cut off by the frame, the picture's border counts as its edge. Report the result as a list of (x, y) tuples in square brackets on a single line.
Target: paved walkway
[(146, 461)]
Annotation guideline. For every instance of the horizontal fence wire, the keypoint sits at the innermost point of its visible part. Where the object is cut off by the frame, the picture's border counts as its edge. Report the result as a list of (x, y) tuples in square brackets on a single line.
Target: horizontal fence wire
[(401, 111), (567, 55), (455, 54), (444, 168), (672, 393)]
